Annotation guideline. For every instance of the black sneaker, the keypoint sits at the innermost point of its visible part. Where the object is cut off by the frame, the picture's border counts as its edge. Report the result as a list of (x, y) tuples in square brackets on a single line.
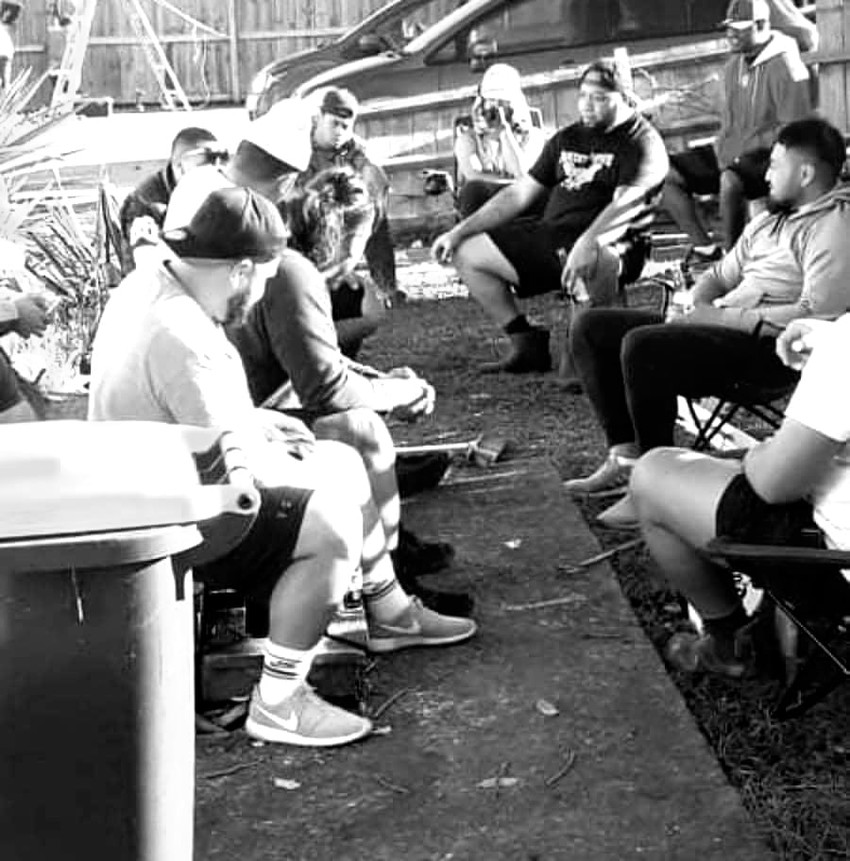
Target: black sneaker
[(418, 472)]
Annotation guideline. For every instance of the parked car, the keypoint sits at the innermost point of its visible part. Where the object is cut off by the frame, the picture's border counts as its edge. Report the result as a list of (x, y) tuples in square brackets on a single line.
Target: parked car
[(410, 47)]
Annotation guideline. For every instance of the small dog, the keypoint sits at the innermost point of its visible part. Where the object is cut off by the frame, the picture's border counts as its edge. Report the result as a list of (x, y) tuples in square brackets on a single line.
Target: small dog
[(437, 182)]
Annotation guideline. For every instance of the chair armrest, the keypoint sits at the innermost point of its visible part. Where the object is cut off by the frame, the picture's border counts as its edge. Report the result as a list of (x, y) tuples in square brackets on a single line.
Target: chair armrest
[(733, 552)]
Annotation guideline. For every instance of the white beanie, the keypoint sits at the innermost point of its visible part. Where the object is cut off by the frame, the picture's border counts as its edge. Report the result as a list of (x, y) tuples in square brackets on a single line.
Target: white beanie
[(284, 133)]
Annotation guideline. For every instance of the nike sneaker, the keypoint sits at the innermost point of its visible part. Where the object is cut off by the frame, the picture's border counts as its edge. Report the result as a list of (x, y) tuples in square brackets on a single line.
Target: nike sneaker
[(419, 626), (304, 719)]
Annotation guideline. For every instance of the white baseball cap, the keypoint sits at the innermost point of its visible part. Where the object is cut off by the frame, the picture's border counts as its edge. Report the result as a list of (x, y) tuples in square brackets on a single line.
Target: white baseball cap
[(284, 133), (500, 82)]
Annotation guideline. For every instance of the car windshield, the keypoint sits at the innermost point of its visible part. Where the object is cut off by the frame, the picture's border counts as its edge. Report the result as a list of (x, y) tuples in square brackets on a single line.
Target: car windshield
[(397, 33), (450, 11)]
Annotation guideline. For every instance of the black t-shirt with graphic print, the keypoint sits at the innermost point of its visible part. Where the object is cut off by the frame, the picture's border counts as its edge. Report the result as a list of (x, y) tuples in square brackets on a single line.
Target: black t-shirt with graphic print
[(583, 166)]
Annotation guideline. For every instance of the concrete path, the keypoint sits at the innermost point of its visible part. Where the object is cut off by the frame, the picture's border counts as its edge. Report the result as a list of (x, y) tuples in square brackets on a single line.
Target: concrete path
[(642, 784)]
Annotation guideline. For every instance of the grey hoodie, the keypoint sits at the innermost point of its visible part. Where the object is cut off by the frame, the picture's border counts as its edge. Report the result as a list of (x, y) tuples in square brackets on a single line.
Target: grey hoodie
[(796, 264), (762, 96)]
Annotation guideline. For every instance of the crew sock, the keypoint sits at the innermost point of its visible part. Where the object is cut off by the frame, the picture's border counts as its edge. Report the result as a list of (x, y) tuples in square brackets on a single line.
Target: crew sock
[(284, 669)]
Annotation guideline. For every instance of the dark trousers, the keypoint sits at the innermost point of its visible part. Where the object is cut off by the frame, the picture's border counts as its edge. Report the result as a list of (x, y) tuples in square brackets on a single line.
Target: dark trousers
[(633, 366), (380, 256)]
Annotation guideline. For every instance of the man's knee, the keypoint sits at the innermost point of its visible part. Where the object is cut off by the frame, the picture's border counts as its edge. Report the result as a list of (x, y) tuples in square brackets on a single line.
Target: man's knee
[(604, 287), (332, 528), (362, 429), (646, 485)]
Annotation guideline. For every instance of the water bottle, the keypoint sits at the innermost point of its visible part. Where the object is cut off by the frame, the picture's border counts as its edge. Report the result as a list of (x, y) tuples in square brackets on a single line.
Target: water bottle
[(681, 300)]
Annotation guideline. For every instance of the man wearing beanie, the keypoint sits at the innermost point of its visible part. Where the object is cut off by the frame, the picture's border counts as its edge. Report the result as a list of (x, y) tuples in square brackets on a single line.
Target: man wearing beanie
[(603, 175), (766, 85)]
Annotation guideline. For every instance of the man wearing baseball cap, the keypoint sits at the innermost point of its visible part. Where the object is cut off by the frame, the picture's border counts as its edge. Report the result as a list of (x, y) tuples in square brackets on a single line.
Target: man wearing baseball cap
[(766, 85), (335, 145), (160, 354), (289, 336), (602, 175)]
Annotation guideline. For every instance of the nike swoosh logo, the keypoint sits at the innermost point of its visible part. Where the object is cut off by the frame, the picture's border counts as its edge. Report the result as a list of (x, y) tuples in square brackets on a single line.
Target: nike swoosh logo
[(412, 629), (290, 724)]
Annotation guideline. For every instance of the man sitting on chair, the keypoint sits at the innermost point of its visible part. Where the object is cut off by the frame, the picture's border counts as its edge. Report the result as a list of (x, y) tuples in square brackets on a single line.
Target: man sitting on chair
[(604, 172), (798, 478), (792, 261)]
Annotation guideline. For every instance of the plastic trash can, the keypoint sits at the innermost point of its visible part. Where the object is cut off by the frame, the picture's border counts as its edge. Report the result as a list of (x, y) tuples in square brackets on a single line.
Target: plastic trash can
[(96, 640)]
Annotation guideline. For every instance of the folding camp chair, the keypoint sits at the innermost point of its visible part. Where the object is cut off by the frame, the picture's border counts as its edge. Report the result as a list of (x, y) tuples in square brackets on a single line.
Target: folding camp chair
[(810, 596), (766, 403)]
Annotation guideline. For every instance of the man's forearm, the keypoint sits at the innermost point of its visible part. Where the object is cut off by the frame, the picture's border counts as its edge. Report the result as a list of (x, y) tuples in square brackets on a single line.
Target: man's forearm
[(615, 218)]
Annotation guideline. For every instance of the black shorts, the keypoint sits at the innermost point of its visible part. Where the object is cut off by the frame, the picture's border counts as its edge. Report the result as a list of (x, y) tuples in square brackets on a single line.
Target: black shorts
[(10, 394), (256, 564), (700, 170), (531, 247), (742, 515)]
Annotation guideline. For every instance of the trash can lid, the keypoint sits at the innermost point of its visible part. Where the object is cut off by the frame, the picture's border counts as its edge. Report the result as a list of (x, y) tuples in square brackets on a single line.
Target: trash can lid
[(72, 477)]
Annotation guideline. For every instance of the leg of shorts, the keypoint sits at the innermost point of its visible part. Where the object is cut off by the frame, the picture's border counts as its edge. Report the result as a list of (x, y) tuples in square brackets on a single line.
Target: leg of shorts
[(529, 245), (699, 169), (634, 253), (256, 564), (10, 394), (751, 167), (474, 193), (742, 515), (380, 256)]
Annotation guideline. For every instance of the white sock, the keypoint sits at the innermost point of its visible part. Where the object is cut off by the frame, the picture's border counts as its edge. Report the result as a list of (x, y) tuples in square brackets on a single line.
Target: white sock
[(284, 669), (387, 603)]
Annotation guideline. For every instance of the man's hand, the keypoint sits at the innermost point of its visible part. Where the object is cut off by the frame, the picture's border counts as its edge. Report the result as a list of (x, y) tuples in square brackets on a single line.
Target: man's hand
[(32, 315), (444, 246), (415, 398), (795, 344), (580, 264), (288, 430)]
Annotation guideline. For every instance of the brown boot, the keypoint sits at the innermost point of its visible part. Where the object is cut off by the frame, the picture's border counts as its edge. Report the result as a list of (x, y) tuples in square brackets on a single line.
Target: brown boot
[(529, 353)]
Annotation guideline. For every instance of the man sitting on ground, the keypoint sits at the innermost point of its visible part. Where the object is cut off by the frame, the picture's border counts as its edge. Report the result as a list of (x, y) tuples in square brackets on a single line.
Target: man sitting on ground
[(605, 173), (161, 354), (791, 261), (289, 335), (785, 485), (766, 85)]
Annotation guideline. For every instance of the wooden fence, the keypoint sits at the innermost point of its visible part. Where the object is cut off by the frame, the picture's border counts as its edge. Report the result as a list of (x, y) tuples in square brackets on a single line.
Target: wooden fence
[(212, 67)]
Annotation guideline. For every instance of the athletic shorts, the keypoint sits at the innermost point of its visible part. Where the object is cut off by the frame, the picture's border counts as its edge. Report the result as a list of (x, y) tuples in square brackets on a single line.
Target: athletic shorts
[(254, 566), (10, 395), (743, 516), (531, 247), (701, 172)]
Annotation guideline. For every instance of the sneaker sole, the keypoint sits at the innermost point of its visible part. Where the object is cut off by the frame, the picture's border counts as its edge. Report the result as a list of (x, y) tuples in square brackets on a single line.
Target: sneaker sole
[(604, 493), (381, 645), (262, 732)]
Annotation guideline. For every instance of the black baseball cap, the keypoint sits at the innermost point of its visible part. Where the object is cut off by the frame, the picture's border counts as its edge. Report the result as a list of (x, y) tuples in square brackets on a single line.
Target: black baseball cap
[(340, 102), (605, 74), (232, 223)]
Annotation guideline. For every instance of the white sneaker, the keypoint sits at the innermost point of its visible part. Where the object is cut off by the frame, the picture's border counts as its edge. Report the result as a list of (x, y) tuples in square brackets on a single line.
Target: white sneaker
[(419, 626), (304, 719)]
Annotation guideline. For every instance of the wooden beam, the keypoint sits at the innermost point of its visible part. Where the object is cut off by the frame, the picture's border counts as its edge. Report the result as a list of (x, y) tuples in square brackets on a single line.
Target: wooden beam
[(233, 33)]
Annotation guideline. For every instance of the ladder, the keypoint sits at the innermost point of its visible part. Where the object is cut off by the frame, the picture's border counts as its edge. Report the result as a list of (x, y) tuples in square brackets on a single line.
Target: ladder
[(69, 73), (173, 95)]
